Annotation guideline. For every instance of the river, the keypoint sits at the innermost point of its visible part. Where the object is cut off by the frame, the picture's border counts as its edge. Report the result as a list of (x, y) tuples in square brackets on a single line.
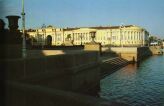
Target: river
[(136, 85)]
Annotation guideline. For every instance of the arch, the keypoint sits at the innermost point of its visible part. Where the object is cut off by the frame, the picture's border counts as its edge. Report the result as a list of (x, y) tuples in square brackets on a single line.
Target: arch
[(49, 40)]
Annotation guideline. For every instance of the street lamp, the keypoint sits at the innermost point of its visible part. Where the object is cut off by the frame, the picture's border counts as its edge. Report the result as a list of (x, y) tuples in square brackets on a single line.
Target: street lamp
[(23, 31)]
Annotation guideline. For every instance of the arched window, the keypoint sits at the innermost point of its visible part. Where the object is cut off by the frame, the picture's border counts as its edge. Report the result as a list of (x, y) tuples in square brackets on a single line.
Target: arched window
[(49, 40)]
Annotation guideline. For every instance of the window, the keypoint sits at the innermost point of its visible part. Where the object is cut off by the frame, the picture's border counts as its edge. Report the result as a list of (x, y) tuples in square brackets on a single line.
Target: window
[(58, 37)]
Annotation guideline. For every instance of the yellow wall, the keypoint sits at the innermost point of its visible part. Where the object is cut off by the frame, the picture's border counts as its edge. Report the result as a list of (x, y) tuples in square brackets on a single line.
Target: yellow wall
[(116, 36)]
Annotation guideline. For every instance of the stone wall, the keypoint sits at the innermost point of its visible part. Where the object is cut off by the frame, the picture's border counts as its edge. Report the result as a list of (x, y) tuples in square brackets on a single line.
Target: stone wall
[(93, 47), (21, 94), (132, 53), (68, 71), (128, 53), (156, 50), (53, 80), (42, 53), (11, 51), (143, 52)]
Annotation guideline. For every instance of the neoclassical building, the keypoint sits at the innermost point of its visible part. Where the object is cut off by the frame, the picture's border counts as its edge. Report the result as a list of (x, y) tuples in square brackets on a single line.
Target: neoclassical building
[(128, 35)]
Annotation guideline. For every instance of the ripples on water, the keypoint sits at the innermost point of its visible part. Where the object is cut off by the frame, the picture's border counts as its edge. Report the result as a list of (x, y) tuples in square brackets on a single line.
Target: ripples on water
[(137, 86)]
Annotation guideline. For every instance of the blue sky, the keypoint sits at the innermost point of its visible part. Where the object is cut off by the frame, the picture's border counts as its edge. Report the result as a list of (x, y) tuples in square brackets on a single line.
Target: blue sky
[(74, 13)]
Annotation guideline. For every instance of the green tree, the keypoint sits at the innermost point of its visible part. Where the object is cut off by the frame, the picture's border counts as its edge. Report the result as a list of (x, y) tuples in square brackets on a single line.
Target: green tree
[(69, 36)]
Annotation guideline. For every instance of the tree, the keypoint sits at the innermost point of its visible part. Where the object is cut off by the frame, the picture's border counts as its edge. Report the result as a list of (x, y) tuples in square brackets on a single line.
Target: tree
[(68, 37), (152, 39)]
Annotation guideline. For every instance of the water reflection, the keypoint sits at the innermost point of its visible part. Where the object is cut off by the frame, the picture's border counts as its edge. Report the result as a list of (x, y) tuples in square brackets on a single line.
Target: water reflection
[(137, 86)]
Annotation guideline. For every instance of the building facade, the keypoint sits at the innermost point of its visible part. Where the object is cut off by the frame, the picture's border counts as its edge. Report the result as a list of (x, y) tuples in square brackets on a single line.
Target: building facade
[(128, 35)]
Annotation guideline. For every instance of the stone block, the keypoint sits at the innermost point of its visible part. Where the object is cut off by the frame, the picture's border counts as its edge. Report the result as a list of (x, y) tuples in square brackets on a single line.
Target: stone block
[(93, 47), (14, 69), (34, 66), (11, 51)]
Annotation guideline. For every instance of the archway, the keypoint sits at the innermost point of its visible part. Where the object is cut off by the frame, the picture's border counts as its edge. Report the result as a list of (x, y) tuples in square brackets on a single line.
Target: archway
[(49, 40)]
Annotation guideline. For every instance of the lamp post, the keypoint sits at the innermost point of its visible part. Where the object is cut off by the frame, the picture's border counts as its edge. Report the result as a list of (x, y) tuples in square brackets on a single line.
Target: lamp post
[(23, 31)]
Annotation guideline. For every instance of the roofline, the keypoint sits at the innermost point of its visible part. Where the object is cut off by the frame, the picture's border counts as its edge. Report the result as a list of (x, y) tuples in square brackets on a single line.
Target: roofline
[(95, 27)]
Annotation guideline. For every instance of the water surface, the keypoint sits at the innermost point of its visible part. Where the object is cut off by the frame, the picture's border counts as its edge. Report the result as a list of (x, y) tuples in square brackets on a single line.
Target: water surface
[(141, 85)]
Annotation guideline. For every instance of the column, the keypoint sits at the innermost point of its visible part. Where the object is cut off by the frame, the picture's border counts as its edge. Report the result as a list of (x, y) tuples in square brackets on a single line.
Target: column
[(143, 38)]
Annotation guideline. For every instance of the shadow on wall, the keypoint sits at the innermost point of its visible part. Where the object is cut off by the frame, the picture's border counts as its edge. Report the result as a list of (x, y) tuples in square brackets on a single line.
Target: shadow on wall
[(36, 51), (106, 51), (77, 72), (60, 72), (11, 50)]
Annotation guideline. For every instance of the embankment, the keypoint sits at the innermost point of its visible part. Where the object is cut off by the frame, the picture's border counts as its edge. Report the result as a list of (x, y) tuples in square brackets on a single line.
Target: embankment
[(111, 65), (56, 80), (156, 50), (132, 54)]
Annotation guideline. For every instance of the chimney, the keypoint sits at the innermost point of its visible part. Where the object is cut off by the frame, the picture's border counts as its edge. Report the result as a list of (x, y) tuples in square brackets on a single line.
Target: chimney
[(13, 22)]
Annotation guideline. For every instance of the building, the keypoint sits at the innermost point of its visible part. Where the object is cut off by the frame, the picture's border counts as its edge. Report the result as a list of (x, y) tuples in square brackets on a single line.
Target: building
[(128, 35)]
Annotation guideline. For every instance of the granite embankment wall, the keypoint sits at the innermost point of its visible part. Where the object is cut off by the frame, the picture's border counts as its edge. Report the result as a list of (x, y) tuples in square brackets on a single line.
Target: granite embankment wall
[(76, 72), (156, 50), (42, 53), (21, 94), (54, 80), (68, 72), (132, 54)]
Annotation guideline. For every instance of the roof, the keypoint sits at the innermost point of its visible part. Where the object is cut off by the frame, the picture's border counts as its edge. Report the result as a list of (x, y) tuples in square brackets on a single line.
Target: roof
[(69, 29), (98, 27), (111, 27)]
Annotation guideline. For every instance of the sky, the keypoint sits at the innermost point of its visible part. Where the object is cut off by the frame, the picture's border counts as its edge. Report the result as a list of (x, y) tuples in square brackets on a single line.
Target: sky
[(148, 14)]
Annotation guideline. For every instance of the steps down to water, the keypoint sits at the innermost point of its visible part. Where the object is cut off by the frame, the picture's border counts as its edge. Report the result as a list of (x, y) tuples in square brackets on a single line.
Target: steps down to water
[(109, 66)]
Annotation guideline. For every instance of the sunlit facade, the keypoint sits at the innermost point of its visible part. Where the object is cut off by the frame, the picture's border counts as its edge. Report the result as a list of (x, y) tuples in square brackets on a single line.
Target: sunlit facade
[(128, 35)]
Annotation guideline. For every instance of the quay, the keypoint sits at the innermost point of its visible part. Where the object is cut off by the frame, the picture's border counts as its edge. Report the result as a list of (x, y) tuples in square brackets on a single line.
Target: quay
[(57, 77), (77, 72)]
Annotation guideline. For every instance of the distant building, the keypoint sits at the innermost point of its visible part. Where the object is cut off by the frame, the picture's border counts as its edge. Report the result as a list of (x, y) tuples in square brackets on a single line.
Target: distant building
[(154, 43), (128, 35)]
